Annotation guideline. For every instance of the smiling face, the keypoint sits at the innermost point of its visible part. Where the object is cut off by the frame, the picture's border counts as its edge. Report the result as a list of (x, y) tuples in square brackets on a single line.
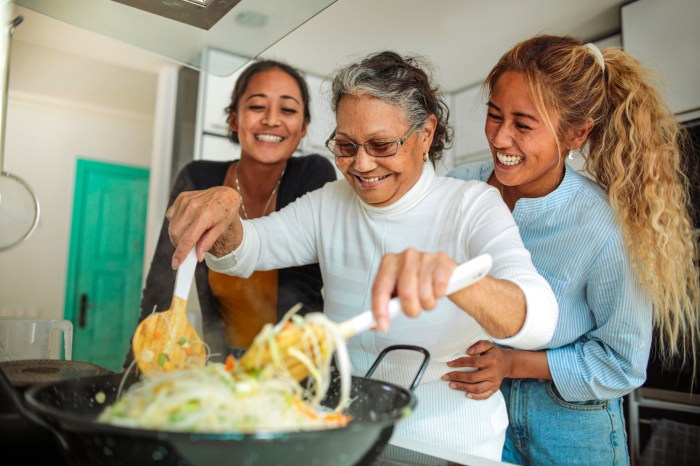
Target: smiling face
[(524, 149), (379, 181), (269, 118)]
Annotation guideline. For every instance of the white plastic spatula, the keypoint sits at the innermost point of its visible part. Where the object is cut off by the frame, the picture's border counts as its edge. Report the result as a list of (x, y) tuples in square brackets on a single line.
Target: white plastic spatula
[(463, 276), (167, 340)]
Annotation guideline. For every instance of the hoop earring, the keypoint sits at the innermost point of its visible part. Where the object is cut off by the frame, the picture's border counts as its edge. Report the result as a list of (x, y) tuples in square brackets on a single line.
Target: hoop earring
[(573, 153)]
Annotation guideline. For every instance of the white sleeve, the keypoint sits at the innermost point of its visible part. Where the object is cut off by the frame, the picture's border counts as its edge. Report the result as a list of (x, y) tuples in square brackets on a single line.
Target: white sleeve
[(492, 229), (282, 239)]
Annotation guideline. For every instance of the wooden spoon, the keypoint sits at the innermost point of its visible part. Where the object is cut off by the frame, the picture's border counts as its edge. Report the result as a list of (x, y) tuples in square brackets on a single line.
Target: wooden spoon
[(166, 341), (293, 336)]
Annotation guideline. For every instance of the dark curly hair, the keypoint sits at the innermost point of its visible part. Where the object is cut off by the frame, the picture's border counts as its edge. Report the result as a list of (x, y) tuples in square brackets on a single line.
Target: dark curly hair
[(403, 83)]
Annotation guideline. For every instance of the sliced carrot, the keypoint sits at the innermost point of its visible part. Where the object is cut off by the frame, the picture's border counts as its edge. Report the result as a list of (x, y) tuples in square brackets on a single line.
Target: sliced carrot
[(157, 335), (305, 410), (230, 362)]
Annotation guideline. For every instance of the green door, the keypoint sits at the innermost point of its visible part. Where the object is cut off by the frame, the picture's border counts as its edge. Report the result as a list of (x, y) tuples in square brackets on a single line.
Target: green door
[(105, 263)]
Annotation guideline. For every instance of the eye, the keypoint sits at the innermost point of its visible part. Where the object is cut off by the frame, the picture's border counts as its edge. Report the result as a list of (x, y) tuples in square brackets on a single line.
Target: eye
[(493, 116), (522, 126), (344, 147), (290, 111), (256, 108), (380, 147)]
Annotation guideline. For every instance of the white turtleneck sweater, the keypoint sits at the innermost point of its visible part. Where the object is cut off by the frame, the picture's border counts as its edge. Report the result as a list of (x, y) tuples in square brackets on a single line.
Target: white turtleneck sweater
[(348, 238)]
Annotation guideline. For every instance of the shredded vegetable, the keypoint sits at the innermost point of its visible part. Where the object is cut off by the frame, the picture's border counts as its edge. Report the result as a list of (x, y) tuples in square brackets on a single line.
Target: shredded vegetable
[(228, 398)]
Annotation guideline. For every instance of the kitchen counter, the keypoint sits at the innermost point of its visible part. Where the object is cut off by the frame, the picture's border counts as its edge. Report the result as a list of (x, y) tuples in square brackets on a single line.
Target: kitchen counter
[(394, 455)]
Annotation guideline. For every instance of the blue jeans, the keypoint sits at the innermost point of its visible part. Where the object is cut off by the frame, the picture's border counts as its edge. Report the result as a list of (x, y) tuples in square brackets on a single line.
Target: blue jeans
[(544, 429)]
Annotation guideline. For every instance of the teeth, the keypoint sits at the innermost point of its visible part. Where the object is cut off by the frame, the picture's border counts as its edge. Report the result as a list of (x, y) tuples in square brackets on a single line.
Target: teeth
[(268, 138), (508, 159), (370, 180)]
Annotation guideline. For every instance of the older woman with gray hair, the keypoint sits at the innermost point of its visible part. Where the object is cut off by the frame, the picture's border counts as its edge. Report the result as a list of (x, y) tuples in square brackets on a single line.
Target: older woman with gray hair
[(393, 225)]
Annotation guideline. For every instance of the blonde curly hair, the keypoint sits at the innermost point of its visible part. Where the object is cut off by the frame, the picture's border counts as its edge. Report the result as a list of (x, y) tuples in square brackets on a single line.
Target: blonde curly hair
[(635, 153)]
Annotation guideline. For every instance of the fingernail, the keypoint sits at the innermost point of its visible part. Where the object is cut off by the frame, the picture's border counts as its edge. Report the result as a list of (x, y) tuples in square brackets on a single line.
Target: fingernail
[(450, 363), (469, 395), (444, 377), (453, 385)]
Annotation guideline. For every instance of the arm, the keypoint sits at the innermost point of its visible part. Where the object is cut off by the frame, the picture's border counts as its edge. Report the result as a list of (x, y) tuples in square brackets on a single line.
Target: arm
[(610, 358), (515, 304), (492, 364), (421, 278), (606, 359)]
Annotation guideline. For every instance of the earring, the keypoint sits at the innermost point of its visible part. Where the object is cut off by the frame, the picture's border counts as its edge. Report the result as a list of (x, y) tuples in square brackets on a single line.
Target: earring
[(573, 153), (492, 138), (426, 157)]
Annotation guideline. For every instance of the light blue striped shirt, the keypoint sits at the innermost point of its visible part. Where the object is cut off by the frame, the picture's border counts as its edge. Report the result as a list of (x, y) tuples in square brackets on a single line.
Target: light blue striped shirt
[(602, 340)]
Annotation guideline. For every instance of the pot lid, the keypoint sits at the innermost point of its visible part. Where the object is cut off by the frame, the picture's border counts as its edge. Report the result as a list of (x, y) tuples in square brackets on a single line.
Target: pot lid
[(25, 373)]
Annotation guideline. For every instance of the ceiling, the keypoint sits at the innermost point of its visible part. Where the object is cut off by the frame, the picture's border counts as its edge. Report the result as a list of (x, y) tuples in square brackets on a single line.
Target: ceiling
[(461, 38)]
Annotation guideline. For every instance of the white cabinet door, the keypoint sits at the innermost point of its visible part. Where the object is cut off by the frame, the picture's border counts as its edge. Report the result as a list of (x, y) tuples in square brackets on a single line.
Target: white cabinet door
[(468, 115), (665, 37), (322, 118), (214, 96)]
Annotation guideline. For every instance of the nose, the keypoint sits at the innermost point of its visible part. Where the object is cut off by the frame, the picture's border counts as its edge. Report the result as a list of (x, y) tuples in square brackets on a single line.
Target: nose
[(500, 136), (363, 162), (271, 117)]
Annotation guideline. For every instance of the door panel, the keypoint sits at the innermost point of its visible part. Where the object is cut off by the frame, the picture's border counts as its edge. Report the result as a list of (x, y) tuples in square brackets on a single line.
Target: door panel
[(106, 260)]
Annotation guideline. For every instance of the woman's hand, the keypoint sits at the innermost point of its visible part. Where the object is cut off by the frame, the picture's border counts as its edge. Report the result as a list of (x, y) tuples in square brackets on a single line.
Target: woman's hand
[(419, 279), (493, 364), (208, 219)]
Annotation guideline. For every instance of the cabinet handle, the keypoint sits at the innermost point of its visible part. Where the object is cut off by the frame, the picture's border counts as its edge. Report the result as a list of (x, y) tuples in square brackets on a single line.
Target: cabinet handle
[(83, 310)]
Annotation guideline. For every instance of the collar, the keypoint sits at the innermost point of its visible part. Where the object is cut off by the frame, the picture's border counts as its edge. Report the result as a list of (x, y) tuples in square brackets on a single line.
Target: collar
[(414, 195), (556, 198)]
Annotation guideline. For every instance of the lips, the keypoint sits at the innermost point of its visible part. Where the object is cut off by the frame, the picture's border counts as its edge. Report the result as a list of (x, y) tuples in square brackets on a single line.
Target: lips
[(370, 180), (269, 138), (509, 160)]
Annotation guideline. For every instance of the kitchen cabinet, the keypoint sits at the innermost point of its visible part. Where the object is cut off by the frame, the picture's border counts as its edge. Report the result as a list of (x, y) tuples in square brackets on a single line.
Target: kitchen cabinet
[(665, 36)]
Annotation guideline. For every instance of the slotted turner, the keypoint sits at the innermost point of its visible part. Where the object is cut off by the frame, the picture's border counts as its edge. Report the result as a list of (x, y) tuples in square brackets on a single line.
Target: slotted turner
[(166, 341)]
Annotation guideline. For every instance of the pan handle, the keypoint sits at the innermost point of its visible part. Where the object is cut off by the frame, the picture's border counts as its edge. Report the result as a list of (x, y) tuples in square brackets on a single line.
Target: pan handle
[(9, 390), (388, 349)]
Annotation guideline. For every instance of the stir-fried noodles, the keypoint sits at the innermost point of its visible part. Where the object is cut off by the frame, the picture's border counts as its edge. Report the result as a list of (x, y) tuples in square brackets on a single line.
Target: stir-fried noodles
[(259, 397)]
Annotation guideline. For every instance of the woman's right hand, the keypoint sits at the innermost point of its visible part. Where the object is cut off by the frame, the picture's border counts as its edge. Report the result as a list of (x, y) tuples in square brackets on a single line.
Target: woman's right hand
[(492, 365), (207, 218)]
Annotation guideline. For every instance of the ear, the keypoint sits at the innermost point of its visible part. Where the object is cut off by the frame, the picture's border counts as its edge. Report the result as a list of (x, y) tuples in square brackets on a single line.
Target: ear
[(428, 132), (233, 122), (576, 137), (304, 127)]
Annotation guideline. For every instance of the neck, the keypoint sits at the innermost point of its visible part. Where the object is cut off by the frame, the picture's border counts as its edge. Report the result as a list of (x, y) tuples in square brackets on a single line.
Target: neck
[(538, 188), (258, 188)]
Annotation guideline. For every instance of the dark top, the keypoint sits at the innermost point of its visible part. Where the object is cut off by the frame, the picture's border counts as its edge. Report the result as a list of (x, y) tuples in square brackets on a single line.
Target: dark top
[(295, 284)]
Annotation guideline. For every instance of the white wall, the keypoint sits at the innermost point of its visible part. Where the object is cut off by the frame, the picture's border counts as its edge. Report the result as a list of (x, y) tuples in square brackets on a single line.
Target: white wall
[(62, 107)]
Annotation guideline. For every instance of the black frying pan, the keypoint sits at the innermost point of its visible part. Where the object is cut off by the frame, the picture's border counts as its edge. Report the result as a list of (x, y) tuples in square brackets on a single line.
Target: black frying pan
[(70, 409)]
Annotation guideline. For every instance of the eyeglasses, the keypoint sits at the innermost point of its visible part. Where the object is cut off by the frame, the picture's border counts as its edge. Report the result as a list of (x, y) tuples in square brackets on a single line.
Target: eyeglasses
[(373, 147)]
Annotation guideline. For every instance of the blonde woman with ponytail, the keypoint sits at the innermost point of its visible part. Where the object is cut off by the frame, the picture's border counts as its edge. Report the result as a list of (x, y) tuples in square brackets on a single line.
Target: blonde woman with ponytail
[(617, 247)]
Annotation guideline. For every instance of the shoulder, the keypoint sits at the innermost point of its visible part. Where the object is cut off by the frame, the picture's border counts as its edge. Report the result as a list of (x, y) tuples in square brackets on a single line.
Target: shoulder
[(304, 174), (204, 174), (321, 167), (472, 171), (462, 188), (588, 197)]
